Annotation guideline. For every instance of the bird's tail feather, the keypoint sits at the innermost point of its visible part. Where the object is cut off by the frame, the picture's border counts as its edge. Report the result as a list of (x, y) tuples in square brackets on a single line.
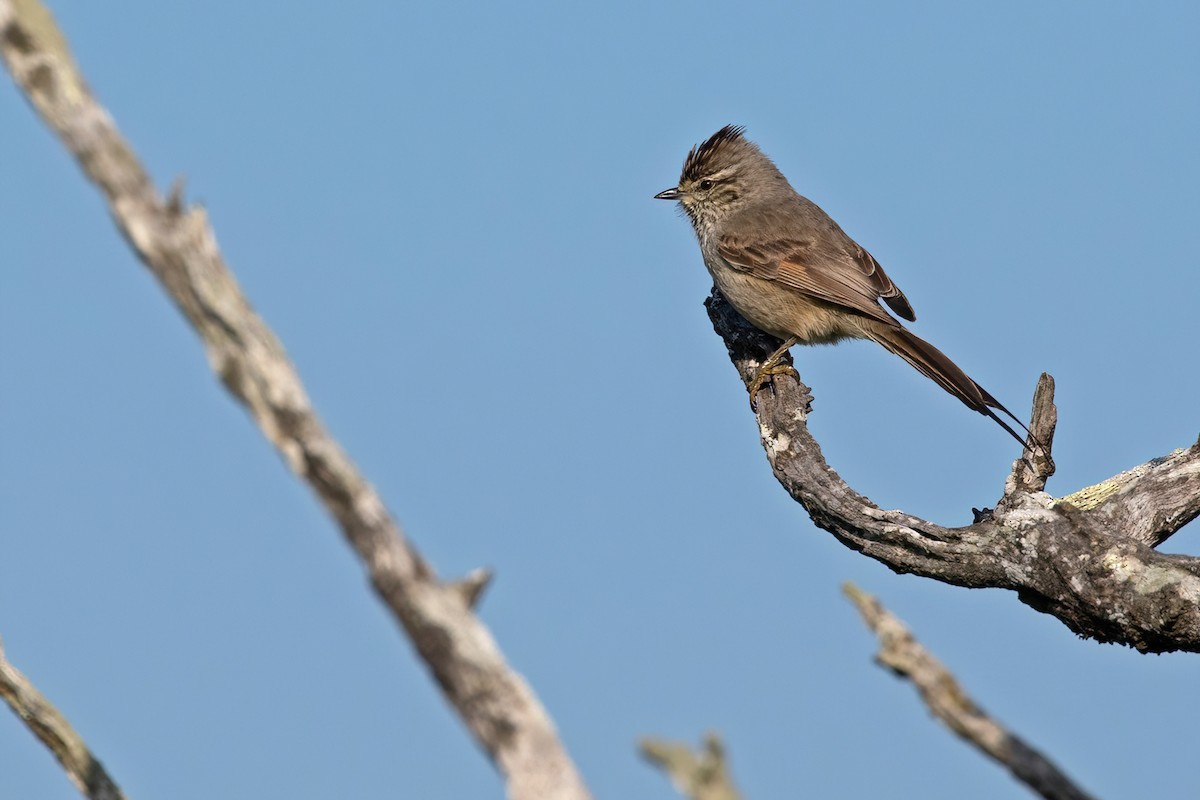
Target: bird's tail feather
[(933, 364)]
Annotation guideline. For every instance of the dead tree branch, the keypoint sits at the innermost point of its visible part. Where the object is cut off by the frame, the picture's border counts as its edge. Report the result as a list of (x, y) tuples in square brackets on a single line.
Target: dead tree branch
[(900, 652), (1086, 558), (178, 246), (702, 775), (52, 728)]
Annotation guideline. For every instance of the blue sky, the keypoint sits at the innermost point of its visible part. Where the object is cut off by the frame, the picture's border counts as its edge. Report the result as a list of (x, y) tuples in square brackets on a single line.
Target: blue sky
[(445, 212)]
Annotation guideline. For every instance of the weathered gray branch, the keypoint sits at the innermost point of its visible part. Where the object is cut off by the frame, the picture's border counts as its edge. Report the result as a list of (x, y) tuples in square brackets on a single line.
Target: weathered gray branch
[(1149, 502), (1085, 558), (1031, 472), (176, 243), (900, 652), (52, 728), (702, 775)]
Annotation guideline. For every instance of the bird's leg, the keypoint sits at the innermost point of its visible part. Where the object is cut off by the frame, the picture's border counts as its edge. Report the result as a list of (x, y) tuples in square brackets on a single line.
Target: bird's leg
[(770, 368)]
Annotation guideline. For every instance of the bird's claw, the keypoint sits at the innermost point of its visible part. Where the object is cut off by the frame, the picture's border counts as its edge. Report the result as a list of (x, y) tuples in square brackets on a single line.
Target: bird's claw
[(767, 373)]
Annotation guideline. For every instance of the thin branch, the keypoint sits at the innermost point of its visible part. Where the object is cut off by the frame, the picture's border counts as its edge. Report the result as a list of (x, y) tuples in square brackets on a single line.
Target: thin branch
[(900, 652), (701, 775), (176, 243), (1061, 558), (52, 728)]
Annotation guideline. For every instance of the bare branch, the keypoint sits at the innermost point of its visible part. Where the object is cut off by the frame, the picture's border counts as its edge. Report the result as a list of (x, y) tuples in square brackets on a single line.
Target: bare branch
[(1149, 502), (178, 246), (52, 728), (1031, 472), (702, 775), (900, 652), (1063, 559)]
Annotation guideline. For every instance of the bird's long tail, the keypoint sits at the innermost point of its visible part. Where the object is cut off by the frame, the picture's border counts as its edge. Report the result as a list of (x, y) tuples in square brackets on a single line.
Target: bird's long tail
[(933, 364)]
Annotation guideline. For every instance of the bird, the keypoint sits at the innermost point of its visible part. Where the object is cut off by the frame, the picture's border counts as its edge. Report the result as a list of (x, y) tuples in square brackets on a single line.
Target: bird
[(792, 272)]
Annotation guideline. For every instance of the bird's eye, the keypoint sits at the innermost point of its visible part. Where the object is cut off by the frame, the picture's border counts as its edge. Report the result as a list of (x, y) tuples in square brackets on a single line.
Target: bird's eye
[(706, 184)]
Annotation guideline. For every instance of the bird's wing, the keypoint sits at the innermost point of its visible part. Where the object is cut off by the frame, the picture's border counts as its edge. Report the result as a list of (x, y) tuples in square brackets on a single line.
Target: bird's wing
[(848, 277)]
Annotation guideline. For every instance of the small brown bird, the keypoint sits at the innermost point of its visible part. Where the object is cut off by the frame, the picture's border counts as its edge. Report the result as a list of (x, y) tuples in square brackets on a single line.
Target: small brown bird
[(788, 268)]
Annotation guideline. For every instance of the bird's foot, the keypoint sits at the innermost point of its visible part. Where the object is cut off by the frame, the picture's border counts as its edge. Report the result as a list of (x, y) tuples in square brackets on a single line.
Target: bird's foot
[(769, 369), (767, 374)]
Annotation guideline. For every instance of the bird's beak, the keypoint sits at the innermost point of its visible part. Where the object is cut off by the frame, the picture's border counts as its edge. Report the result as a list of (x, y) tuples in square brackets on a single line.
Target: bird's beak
[(668, 194)]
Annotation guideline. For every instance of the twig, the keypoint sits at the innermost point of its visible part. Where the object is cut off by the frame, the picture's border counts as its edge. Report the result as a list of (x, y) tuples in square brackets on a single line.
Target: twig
[(1031, 472), (900, 652), (701, 775), (52, 728)]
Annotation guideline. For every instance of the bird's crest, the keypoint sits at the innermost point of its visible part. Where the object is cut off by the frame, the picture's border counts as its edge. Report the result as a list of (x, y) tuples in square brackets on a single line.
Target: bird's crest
[(700, 159)]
